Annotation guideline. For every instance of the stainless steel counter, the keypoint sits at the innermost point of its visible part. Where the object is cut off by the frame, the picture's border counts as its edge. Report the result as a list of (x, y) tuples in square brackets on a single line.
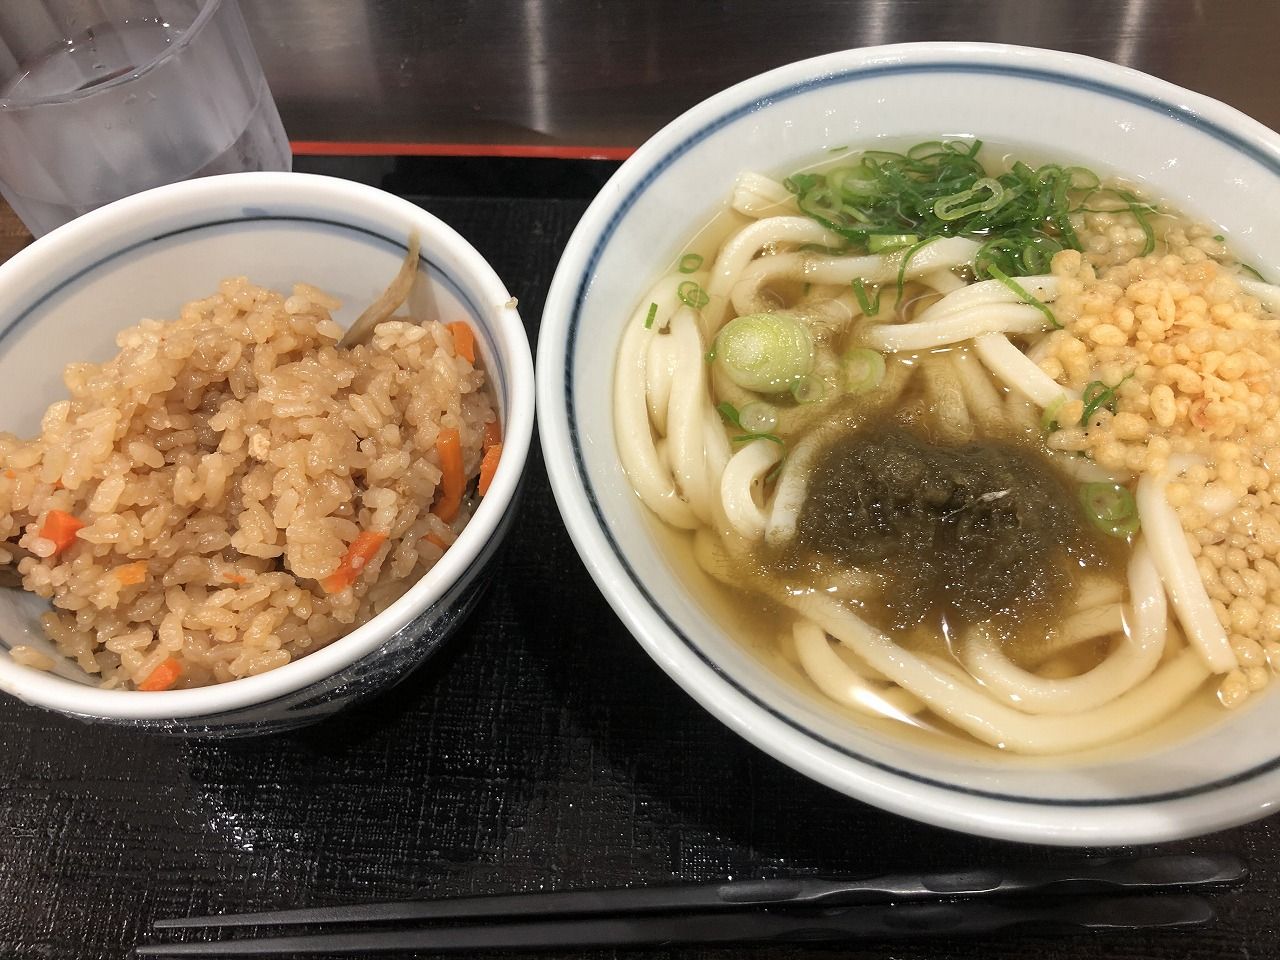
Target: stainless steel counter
[(558, 74)]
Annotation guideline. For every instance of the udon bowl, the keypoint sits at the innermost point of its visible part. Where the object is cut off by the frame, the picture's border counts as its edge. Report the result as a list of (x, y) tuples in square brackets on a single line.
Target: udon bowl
[(66, 296), (1185, 777)]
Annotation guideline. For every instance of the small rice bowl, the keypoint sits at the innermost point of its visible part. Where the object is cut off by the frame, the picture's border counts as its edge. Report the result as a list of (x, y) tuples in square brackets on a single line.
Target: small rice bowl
[(241, 490)]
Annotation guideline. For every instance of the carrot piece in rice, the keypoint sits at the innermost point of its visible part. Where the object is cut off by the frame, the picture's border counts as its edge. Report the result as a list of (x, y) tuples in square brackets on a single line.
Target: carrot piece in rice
[(61, 527), (464, 340), (363, 549), (492, 434), (162, 677), (131, 574), (488, 467), (452, 479)]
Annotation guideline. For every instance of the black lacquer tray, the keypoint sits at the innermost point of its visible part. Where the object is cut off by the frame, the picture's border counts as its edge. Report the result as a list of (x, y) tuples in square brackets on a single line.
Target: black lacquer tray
[(542, 748)]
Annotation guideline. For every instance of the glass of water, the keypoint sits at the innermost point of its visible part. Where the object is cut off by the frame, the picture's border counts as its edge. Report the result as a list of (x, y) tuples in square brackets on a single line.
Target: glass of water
[(103, 98)]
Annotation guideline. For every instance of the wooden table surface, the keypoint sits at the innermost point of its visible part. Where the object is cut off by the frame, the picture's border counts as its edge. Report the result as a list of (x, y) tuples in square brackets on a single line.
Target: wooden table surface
[(13, 235)]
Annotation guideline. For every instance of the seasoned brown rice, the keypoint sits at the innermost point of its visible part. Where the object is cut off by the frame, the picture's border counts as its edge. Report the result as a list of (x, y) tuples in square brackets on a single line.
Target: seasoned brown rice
[(227, 461)]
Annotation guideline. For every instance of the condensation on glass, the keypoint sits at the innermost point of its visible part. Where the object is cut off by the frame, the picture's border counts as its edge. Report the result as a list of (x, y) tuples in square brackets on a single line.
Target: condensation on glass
[(100, 99)]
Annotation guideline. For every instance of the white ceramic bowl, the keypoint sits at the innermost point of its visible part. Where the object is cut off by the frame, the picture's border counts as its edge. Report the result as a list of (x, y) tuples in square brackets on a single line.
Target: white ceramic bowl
[(66, 296), (1204, 157)]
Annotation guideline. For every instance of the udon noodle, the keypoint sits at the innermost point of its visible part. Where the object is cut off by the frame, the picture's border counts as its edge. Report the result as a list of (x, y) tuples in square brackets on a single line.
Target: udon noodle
[(1006, 463)]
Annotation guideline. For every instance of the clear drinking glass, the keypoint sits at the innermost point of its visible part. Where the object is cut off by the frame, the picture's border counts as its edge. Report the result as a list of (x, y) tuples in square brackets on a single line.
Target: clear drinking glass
[(103, 98)]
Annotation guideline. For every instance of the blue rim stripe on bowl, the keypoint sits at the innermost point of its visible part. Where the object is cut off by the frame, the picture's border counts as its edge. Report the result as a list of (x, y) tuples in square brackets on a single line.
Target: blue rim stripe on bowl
[(426, 265), (1174, 111)]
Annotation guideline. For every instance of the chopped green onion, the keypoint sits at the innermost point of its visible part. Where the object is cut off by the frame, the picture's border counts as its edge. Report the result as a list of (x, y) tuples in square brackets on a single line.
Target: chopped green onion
[(748, 437), (765, 352), (970, 201), (1139, 211), (690, 262), (1021, 293), (1081, 178), (839, 149), (941, 189), (1252, 272), (758, 417), (928, 148), (1023, 172), (692, 294), (653, 312), (1219, 237), (819, 248), (1005, 252), (869, 307), (798, 183), (906, 259), (731, 414), (1097, 395), (1016, 253), (863, 370), (809, 389), (1138, 208), (1049, 419), (1110, 508), (1036, 255), (884, 242), (824, 205), (853, 190)]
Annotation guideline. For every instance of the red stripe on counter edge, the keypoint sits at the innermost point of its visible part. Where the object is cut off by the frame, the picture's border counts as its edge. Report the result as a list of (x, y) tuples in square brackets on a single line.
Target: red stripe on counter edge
[(361, 148)]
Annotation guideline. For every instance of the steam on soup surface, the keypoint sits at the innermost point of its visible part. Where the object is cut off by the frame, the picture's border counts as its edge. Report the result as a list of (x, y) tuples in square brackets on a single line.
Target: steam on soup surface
[(996, 445)]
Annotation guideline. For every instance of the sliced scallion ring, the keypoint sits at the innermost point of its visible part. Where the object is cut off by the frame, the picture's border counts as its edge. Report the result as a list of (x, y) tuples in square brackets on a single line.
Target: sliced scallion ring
[(810, 389), (1111, 508), (1049, 418), (846, 182), (984, 196), (863, 370), (1098, 395), (692, 294), (731, 414), (758, 417), (1081, 178), (765, 352), (869, 306)]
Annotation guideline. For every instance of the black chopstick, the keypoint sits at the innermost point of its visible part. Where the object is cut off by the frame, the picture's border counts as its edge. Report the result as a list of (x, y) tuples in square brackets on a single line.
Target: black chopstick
[(1093, 875), (1043, 897), (880, 922)]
